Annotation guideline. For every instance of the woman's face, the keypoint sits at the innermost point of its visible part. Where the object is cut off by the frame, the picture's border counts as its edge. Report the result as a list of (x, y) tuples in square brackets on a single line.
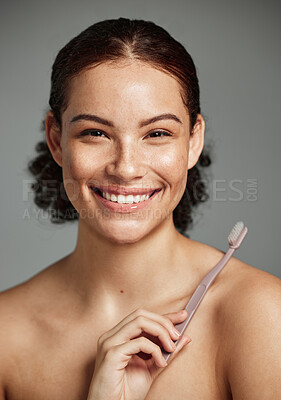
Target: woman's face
[(124, 149)]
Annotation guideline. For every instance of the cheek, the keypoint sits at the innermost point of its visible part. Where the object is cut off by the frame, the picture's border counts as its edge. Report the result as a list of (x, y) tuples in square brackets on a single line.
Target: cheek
[(174, 166), (78, 168), (77, 164)]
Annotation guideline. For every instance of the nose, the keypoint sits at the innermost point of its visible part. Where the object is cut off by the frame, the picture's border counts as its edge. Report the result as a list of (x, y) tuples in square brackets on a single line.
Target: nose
[(127, 163)]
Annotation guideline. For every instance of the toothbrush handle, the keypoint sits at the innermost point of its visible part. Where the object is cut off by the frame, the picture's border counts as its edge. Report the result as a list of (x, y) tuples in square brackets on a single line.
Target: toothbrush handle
[(198, 295)]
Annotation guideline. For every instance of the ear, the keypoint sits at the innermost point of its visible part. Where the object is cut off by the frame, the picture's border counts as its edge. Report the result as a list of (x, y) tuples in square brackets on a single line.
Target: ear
[(196, 141), (53, 137)]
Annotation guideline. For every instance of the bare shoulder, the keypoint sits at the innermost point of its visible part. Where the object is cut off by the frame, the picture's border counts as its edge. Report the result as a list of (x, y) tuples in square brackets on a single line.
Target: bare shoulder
[(250, 292), (20, 304), (251, 311), (243, 312), (20, 310), (15, 331), (238, 280)]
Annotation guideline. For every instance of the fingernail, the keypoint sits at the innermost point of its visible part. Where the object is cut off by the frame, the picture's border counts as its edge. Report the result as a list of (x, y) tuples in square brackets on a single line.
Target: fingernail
[(177, 332)]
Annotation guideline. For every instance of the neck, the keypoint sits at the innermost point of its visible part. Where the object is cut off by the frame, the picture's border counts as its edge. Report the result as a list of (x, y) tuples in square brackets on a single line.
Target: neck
[(116, 275)]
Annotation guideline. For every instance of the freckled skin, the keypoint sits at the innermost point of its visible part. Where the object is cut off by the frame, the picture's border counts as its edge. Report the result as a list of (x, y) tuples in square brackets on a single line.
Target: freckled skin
[(126, 156), (59, 315)]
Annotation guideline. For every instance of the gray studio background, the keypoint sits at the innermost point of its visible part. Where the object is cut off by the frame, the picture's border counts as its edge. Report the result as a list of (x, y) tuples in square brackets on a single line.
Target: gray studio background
[(236, 48)]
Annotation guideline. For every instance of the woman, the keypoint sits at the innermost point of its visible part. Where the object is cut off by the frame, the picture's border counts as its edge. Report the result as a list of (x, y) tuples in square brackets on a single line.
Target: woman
[(125, 134)]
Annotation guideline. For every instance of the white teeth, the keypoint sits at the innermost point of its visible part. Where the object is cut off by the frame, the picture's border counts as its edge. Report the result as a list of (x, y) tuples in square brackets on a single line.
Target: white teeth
[(121, 199), (130, 199)]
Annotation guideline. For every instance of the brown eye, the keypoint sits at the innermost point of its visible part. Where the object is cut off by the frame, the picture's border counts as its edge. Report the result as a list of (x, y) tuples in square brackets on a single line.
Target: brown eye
[(157, 134), (93, 132)]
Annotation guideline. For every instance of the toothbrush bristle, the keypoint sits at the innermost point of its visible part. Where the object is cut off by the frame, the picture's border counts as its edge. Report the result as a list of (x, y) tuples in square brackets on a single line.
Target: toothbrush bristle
[(234, 234)]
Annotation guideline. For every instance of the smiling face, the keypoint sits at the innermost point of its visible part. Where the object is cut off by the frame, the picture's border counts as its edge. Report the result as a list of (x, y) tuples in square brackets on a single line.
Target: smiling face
[(125, 148)]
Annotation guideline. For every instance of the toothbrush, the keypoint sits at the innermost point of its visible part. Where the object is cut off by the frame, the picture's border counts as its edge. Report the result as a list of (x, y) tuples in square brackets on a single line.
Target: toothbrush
[(235, 239)]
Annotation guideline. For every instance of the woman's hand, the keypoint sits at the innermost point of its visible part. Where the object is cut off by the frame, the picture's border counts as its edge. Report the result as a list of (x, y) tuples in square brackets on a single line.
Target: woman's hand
[(121, 374)]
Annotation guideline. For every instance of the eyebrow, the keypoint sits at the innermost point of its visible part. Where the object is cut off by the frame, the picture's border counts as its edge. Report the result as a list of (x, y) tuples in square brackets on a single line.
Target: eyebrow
[(95, 118)]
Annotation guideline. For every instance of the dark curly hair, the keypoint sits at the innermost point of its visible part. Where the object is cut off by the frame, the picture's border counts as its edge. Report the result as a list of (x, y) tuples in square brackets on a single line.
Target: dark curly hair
[(112, 40)]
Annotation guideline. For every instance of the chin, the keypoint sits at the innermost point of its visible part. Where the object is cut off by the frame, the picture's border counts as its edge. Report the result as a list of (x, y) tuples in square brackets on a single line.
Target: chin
[(123, 240), (126, 236), (128, 232)]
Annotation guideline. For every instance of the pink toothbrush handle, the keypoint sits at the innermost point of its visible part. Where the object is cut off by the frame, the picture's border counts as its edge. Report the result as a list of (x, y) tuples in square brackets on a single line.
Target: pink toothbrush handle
[(204, 285), (198, 295)]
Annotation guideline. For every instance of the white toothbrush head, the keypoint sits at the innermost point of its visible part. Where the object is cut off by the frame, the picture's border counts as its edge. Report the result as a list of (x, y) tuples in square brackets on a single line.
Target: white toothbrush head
[(237, 235)]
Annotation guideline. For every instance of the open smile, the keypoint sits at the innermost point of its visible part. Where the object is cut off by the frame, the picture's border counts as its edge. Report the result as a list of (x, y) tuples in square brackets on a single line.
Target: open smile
[(125, 199), (125, 202)]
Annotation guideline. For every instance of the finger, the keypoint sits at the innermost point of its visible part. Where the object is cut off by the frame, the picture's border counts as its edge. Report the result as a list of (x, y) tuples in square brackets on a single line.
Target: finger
[(120, 355), (135, 328), (177, 319), (184, 340), (177, 316), (167, 321)]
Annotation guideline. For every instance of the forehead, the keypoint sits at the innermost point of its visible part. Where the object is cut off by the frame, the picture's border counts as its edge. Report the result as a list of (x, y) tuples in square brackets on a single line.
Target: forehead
[(125, 84)]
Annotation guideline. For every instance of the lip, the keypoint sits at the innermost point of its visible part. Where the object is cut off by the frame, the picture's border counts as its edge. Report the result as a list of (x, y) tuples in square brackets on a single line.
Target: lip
[(124, 208), (125, 190)]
